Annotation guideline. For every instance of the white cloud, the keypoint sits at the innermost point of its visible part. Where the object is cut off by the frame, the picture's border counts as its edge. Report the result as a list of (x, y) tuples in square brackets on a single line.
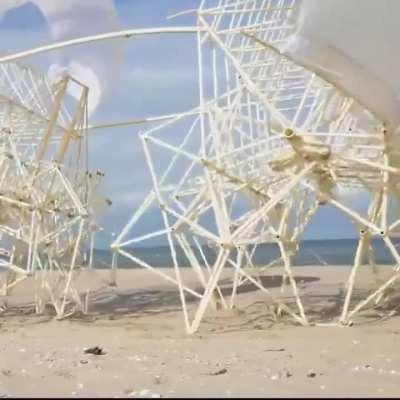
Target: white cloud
[(94, 65)]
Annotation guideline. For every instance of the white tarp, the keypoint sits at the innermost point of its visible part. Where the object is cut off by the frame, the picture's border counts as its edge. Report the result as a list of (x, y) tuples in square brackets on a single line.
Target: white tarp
[(354, 44)]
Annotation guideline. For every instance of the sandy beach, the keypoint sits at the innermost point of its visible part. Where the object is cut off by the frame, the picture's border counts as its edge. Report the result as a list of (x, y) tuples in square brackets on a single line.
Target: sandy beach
[(240, 352)]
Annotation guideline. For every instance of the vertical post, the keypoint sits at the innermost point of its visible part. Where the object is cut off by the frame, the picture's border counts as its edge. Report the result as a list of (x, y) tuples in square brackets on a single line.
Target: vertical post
[(236, 277), (53, 120), (114, 267), (92, 234), (350, 283), (169, 235), (31, 243), (218, 266), (71, 270), (69, 132), (289, 274)]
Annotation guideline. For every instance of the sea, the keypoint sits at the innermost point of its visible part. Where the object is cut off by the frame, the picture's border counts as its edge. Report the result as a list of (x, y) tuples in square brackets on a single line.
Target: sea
[(338, 252)]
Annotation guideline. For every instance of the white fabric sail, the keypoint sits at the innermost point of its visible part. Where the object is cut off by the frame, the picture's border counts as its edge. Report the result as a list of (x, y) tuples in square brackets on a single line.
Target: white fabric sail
[(353, 44)]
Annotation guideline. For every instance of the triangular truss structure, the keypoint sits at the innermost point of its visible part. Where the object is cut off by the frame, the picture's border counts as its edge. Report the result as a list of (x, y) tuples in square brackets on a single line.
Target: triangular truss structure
[(45, 187), (269, 144)]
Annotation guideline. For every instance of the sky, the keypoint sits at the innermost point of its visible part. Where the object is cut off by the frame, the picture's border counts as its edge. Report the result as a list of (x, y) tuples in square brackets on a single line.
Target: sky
[(156, 75)]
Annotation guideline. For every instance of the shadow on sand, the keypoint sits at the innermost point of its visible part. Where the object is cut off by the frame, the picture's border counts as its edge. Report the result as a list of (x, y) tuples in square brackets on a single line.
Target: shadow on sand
[(117, 304)]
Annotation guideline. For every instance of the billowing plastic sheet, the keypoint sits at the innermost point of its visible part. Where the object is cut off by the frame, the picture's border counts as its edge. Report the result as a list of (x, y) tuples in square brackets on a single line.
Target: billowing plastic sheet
[(354, 44)]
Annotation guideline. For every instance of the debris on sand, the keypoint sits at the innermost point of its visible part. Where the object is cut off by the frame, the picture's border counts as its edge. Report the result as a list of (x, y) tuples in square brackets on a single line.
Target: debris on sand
[(311, 374), (98, 351), (280, 375), (280, 349), (220, 372)]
